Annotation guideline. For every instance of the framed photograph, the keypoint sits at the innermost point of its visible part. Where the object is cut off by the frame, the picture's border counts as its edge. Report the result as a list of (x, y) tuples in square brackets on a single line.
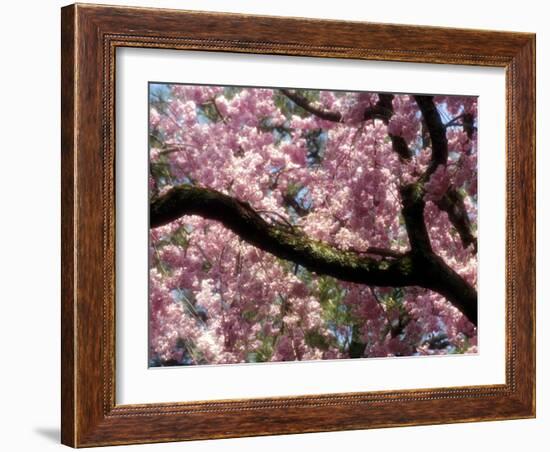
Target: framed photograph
[(280, 225)]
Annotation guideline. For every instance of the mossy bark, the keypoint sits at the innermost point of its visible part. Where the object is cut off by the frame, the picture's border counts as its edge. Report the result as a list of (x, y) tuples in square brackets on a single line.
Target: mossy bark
[(419, 267)]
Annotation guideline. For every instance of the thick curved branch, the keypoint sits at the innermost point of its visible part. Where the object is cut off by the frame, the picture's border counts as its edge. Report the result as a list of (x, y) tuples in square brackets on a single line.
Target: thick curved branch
[(277, 239), (452, 202), (455, 289), (437, 131), (420, 267), (443, 279), (435, 274), (412, 197)]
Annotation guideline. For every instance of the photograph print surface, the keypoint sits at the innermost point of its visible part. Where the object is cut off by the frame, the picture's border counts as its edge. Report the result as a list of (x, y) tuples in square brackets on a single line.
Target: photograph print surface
[(296, 224)]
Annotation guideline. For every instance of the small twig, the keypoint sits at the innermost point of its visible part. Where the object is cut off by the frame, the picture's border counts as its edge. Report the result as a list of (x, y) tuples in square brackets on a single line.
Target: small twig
[(381, 305), (454, 120), (285, 221), (215, 105)]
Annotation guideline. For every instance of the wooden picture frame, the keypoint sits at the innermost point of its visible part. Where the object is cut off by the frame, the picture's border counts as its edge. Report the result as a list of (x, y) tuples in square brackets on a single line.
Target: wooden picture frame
[(90, 36)]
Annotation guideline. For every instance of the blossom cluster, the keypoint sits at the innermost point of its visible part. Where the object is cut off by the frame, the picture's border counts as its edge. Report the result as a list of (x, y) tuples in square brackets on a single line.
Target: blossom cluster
[(216, 299)]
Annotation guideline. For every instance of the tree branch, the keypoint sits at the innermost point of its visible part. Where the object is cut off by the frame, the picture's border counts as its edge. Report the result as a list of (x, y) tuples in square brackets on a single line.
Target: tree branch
[(385, 104), (283, 242), (320, 112), (382, 110), (412, 195), (383, 252), (420, 267), (453, 203), (438, 134), (290, 201), (467, 123)]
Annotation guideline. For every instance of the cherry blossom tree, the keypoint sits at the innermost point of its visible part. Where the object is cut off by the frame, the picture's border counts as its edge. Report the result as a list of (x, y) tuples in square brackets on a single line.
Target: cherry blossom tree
[(292, 224)]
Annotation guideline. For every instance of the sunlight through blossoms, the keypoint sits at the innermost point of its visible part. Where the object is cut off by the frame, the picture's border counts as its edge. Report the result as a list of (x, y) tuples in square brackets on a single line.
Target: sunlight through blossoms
[(304, 225)]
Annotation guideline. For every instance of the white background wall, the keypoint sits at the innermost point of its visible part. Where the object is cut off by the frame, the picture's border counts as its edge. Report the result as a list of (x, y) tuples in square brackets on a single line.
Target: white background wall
[(29, 225)]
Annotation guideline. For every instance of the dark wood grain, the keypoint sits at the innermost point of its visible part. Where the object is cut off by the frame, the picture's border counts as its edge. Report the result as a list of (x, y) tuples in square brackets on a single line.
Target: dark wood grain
[(67, 226), (90, 36)]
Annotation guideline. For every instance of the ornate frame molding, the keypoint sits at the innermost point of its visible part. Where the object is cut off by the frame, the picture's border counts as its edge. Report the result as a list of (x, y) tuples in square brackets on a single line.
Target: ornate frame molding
[(90, 36)]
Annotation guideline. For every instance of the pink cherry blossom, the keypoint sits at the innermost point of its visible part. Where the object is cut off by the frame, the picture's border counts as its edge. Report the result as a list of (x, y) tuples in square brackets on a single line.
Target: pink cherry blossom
[(216, 299)]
